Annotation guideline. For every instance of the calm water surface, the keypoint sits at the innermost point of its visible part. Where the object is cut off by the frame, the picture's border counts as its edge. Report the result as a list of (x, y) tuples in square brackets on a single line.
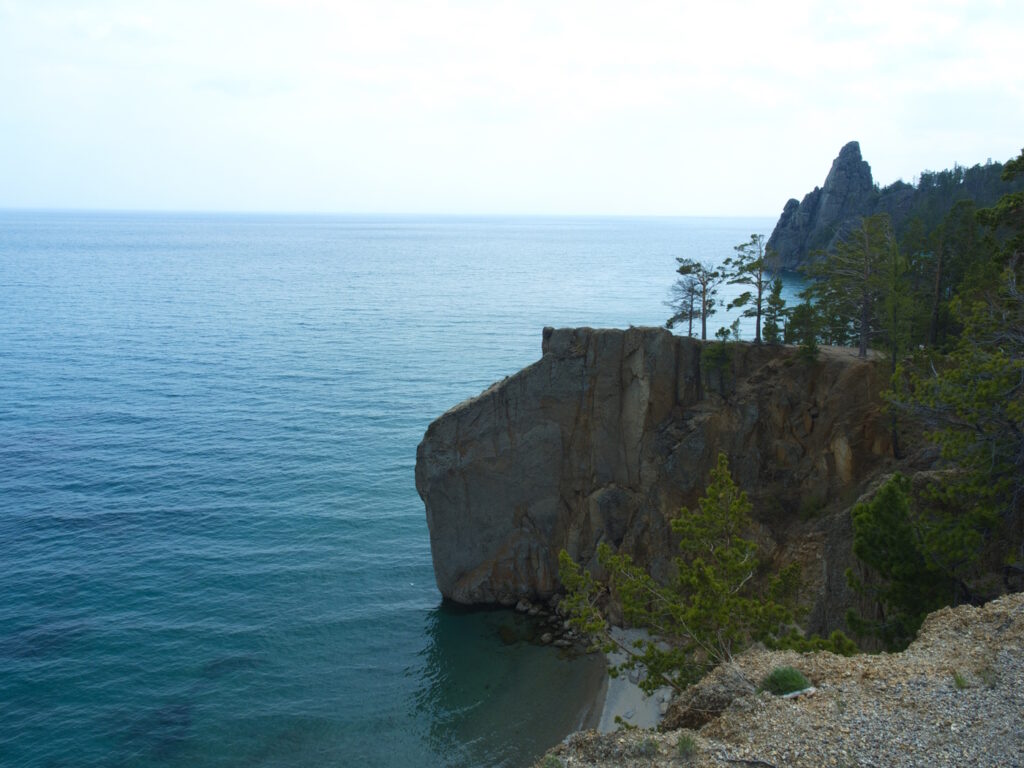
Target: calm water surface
[(211, 548)]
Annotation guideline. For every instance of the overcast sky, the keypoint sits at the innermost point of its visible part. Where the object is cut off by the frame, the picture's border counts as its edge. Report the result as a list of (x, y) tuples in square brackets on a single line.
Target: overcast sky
[(472, 106)]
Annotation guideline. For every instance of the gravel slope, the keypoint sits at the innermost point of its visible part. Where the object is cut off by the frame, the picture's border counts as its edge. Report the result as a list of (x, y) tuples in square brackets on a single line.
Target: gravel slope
[(955, 697)]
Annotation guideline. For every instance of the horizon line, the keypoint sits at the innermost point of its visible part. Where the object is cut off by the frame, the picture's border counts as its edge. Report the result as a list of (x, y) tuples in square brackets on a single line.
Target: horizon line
[(376, 214)]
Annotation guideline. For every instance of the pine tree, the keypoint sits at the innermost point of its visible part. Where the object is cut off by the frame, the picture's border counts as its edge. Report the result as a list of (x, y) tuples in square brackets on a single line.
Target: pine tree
[(711, 610), (696, 291), (851, 281), (684, 303), (774, 313), (802, 329), (972, 403), (749, 267), (907, 584)]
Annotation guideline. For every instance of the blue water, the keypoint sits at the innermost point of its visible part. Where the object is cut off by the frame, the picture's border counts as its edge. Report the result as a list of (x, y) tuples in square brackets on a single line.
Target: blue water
[(211, 549)]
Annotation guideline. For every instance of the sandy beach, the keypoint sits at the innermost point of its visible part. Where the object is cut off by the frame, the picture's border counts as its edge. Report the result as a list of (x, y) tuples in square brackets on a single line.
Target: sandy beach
[(623, 698)]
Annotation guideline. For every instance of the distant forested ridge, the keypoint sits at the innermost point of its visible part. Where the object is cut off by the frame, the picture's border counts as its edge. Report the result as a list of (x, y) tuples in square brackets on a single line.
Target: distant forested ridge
[(828, 213)]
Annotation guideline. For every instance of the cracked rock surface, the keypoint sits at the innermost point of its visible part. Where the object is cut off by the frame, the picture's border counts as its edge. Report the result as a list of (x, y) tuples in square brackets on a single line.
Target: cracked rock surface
[(612, 431)]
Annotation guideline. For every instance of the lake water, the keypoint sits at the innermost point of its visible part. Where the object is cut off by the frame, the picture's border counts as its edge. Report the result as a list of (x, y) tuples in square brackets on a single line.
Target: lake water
[(211, 548)]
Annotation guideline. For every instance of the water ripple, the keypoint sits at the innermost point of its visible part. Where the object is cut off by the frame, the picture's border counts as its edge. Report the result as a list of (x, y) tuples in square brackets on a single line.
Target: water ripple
[(211, 548)]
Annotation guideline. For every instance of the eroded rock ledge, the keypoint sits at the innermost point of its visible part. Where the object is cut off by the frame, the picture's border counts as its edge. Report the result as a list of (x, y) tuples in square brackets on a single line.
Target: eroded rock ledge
[(611, 431)]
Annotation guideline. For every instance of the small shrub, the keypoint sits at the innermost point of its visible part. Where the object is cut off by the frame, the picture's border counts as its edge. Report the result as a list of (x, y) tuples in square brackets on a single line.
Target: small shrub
[(837, 643), (623, 724), (550, 761), (686, 746), (959, 681), (988, 676), (716, 356), (808, 351), (784, 680), (646, 748)]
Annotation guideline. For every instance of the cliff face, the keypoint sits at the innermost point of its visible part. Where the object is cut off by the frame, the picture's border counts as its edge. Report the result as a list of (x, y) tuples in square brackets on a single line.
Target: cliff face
[(610, 432), (817, 221)]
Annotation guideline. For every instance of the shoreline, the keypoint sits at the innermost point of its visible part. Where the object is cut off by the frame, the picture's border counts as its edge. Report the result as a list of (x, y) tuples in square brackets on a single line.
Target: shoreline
[(594, 713), (624, 698), (621, 697)]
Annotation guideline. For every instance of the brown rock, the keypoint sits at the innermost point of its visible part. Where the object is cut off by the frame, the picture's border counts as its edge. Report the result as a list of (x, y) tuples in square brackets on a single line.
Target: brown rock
[(610, 432)]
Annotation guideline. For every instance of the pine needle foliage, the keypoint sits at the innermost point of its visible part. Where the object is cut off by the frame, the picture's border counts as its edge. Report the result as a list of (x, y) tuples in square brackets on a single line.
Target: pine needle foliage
[(971, 404), (774, 313), (715, 606), (783, 680), (907, 585)]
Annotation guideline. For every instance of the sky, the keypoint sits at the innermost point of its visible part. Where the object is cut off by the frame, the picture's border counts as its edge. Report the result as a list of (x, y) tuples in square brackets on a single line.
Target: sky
[(719, 107)]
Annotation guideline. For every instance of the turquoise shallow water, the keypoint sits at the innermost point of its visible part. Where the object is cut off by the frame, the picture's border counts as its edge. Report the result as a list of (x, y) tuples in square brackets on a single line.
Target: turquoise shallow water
[(211, 549)]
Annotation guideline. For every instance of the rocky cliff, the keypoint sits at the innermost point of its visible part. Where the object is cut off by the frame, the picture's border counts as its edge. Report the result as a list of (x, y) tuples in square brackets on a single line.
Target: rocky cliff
[(820, 219), (826, 213), (610, 432)]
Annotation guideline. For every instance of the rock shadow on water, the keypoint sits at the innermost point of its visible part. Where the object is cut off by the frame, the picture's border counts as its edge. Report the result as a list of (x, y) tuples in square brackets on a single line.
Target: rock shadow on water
[(43, 640), (160, 734), (228, 665), (491, 694)]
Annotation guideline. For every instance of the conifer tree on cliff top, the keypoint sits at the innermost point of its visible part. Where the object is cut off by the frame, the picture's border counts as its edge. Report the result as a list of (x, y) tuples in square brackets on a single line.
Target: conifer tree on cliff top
[(695, 294), (852, 281), (750, 267)]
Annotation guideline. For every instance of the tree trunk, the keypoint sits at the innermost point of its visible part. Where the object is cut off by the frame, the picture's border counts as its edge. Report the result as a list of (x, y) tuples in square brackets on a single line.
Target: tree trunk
[(757, 315), (704, 312), (865, 320), (894, 435), (933, 324), (865, 299)]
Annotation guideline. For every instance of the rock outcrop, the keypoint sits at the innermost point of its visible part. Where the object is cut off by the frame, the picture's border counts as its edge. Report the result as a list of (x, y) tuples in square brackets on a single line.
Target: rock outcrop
[(611, 431), (827, 213), (822, 217)]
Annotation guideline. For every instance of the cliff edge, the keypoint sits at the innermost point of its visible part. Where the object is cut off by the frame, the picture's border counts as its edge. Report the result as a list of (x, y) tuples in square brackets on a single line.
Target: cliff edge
[(611, 431), (953, 698)]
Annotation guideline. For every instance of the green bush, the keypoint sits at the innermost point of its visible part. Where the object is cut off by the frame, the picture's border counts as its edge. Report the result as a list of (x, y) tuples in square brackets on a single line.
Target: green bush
[(837, 643), (890, 538), (646, 748), (686, 746), (784, 680)]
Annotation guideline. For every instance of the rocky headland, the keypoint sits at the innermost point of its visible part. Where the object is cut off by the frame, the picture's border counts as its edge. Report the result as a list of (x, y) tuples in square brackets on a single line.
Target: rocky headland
[(612, 431), (817, 221), (826, 213)]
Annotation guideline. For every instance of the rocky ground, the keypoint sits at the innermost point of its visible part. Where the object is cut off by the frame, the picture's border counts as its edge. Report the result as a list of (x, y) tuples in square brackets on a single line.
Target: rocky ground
[(955, 697)]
